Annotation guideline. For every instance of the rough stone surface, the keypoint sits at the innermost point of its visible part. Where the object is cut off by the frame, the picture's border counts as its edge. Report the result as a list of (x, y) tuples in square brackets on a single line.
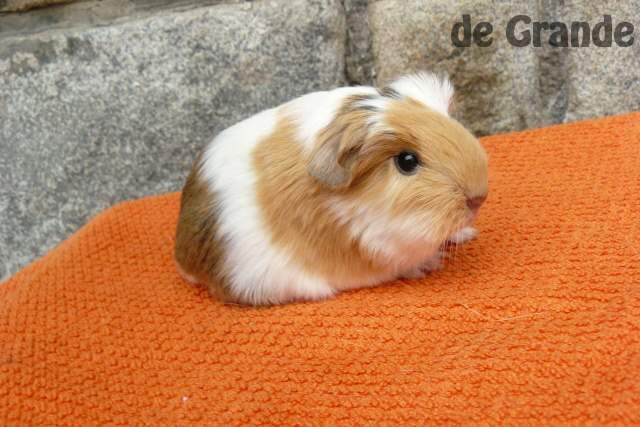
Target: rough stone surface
[(496, 85), (602, 81), (359, 56), (501, 87), (92, 13), (93, 116), (23, 5)]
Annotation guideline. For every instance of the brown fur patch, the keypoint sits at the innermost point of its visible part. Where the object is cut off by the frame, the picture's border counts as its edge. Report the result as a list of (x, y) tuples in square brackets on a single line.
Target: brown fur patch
[(199, 251)]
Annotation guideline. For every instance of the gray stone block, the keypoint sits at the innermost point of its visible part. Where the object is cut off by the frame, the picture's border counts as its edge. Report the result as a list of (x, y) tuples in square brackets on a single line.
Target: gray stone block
[(23, 5), (502, 87), (359, 56), (93, 116), (602, 80), (497, 86)]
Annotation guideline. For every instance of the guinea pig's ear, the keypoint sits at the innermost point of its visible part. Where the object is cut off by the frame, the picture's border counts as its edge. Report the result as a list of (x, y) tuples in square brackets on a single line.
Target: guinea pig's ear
[(338, 146)]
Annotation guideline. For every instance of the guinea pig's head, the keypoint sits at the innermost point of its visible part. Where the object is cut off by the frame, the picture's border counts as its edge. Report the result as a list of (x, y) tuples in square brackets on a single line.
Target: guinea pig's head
[(398, 163)]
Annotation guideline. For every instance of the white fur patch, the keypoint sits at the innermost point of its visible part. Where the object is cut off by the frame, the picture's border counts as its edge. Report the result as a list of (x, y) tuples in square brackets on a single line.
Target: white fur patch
[(313, 112), (433, 91), (377, 105), (433, 263), (393, 242), (463, 235), (259, 272)]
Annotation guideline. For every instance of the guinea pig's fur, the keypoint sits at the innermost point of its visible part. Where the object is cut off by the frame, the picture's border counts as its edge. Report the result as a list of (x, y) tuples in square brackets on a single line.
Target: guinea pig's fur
[(307, 199)]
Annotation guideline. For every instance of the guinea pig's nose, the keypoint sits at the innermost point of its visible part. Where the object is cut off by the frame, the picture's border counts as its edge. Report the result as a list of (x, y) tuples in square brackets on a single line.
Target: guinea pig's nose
[(474, 203)]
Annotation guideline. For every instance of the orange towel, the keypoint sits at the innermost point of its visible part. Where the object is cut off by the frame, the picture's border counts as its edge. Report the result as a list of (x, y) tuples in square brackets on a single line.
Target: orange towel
[(537, 321)]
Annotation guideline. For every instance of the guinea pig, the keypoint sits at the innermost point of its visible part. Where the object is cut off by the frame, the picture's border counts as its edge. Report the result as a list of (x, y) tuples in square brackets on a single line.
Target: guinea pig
[(334, 190)]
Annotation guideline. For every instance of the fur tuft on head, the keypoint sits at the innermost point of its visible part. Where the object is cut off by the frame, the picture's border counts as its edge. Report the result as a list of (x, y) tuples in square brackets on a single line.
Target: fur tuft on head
[(429, 89)]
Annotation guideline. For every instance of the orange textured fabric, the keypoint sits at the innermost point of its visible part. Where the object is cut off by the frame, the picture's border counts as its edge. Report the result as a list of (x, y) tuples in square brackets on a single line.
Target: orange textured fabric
[(536, 322)]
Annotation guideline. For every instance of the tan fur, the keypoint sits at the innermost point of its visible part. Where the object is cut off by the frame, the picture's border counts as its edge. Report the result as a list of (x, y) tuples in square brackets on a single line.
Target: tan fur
[(333, 159), (295, 209), (454, 164), (295, 190), (442, 141), (198, 251)]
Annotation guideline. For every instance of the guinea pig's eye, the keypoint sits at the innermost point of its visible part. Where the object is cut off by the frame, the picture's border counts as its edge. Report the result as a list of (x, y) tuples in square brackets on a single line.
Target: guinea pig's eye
[(407, 162)]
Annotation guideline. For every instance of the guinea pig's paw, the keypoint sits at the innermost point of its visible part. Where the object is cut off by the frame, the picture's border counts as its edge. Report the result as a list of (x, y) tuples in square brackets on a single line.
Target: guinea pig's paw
[(433, 263), (463, 236), (416, 273), (186, 276)]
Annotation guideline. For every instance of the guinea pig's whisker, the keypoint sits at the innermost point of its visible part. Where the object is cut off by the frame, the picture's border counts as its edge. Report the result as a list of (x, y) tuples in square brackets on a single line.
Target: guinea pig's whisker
[(455, 254)]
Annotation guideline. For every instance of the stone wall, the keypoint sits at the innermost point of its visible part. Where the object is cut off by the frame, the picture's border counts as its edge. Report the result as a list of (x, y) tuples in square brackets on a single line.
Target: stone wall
[(102, 101), (25, 5)]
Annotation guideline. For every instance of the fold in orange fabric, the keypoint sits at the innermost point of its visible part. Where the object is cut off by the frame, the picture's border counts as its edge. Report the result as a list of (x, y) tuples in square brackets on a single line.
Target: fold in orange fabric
[(535, 322)]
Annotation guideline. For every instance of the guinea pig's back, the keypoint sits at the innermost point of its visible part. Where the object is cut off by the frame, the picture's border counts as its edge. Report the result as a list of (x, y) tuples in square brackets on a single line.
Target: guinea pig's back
[(224, 239), (218, 208)]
